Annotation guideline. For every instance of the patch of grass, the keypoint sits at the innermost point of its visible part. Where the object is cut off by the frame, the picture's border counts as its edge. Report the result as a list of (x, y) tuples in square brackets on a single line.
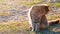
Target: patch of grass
[(56, 4), (53, 15), (29, 3), (14, 27)]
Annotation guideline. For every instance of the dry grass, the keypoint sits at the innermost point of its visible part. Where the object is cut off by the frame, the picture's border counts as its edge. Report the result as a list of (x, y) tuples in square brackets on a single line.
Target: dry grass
[(15, 27)]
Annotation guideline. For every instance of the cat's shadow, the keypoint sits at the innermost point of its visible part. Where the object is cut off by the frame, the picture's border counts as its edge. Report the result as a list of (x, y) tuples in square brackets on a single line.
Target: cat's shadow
[(48, 31)]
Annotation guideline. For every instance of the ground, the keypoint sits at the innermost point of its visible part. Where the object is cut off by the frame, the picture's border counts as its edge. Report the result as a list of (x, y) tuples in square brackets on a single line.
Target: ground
[(23, 28)]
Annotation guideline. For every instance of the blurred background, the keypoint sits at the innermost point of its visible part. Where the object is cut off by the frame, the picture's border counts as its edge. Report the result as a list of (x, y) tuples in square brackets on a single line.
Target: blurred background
[(16, 10)]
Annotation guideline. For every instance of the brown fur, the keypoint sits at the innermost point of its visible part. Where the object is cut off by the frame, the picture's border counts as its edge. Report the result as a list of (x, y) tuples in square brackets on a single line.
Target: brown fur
[(38, 19)]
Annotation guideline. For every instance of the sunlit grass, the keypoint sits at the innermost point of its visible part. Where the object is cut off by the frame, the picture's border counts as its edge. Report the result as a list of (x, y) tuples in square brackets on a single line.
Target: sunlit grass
[(56, 4), (14, 27), (29, 4), (53, 15)]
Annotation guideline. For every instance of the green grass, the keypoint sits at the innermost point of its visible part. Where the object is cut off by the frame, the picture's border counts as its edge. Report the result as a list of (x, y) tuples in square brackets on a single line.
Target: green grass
[(56, 4), (30, 3), (22, 3)]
